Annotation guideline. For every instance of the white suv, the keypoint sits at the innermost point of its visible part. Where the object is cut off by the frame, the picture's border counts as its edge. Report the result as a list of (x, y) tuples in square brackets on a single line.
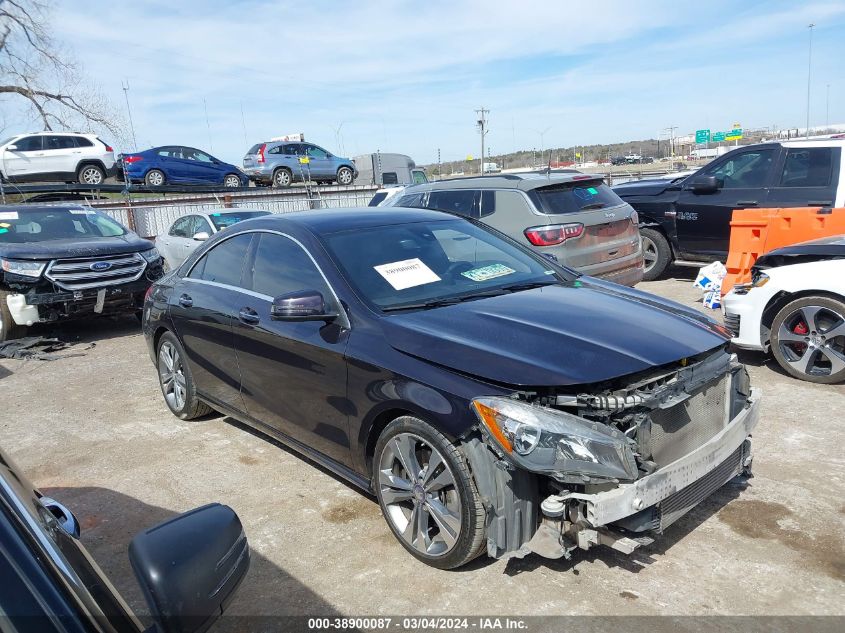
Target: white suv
[(56, 156)]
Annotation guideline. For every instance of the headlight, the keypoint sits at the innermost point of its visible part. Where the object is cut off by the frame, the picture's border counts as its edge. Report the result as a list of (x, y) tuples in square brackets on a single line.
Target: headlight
[(19, 267), (554, 442), (151, 255)]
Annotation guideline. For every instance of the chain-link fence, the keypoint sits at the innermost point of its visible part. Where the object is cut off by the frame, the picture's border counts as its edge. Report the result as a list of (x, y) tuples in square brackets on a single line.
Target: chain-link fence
[(151, 217)]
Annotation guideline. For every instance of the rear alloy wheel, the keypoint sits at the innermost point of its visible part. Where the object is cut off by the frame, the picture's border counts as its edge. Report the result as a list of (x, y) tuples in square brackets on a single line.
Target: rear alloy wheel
[(345, 176), (231, 181), (657, 254), (155, 178), (282, 178), (91, 175), (177, 384), (427, 494), (808, 339)]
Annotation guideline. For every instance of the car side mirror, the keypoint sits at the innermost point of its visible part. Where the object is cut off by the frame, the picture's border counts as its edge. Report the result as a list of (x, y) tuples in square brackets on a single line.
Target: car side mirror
[(190, 566), (11, 148), (704, 184), (302, 305), (201, 236)]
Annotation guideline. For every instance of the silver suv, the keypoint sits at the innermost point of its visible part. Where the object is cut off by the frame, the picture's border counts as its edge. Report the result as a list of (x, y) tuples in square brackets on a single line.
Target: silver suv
[(283, 162), (574, 218)]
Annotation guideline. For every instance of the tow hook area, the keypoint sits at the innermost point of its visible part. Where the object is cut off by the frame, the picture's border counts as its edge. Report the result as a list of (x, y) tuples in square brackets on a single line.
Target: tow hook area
[(564, 528)]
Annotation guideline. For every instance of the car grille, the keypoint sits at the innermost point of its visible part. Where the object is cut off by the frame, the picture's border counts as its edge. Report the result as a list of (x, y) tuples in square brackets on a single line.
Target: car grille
[(677, 505), (78, 274), (732, 323), (681, 429)]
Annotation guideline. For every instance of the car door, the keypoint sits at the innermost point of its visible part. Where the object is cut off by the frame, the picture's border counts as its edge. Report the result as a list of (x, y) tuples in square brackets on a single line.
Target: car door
[(703, 219), (319, 162), (60, 154), (806, 177), (203, 307), (199, 166), (293, 374), (26, 159)]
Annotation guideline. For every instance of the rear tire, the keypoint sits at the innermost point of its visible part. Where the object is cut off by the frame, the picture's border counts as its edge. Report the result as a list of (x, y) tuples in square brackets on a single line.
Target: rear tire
[(282, 178), (808, 339), (8, 328), (176, 381), (155, 178), (91, 175), (427, 494), (656, 252)]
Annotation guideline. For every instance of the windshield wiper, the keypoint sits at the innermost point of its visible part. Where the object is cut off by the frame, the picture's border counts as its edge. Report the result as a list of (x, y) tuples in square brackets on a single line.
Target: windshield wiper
[(529, 285), (593, 205), (446, 301)]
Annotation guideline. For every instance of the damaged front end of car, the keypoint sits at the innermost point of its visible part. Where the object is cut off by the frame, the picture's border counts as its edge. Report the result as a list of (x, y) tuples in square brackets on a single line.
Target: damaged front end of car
[(613, 464)]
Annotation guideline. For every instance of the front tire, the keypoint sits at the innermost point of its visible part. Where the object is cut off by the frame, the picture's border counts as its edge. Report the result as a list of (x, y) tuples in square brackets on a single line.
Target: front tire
[(231, 181), (427, 494), (8, 328), (657, 254), (155, 178), (176, 381), (345, 176), (808, 339), (91, 175)]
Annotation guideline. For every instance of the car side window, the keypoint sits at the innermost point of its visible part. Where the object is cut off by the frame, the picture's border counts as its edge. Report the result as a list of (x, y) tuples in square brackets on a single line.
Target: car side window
[(81, 141), (389, 178), (293, 150), (412, 200), (460, 201), (277, 149), (29, 144), (807, 167), (201, 225), (181, 226), (744, 170), (282, 266), (316, 152), (224, 263), (58, 142)]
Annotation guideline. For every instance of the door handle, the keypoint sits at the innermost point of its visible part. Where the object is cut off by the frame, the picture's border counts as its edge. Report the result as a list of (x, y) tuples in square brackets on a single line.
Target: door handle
[(185, 301), (248, 315), (746, 203), (820, 203)]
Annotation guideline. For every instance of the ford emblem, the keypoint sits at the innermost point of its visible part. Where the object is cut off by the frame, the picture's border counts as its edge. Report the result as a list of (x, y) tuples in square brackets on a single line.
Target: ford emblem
[(100, 266)]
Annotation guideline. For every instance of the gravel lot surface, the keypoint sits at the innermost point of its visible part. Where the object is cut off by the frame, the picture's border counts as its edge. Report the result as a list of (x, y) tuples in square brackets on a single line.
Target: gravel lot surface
[(93, 431)]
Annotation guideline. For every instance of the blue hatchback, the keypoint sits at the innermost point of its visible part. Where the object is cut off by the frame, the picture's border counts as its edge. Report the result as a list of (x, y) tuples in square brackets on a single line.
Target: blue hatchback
[(175, 164)]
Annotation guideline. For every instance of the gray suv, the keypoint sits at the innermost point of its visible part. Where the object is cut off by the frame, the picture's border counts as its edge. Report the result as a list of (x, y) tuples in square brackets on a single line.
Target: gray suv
[(574, 218), (280, 163)]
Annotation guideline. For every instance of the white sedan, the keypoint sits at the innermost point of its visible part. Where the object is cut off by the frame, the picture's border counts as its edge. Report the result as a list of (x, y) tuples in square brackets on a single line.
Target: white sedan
[(795, 307), (189, 231)]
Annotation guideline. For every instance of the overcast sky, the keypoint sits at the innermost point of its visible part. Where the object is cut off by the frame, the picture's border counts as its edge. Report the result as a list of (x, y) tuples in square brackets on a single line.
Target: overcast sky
[(406, 76)]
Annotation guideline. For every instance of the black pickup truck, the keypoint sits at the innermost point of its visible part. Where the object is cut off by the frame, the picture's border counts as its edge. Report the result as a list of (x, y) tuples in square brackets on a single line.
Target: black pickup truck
[(688, 219), (58, 262)]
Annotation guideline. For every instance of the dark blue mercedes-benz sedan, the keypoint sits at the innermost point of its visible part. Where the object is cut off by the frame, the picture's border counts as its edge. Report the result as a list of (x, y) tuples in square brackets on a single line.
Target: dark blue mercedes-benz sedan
[(491, 399)]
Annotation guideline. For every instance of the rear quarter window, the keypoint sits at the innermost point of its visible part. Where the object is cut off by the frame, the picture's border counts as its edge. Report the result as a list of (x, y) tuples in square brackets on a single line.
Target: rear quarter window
[(574, 197)]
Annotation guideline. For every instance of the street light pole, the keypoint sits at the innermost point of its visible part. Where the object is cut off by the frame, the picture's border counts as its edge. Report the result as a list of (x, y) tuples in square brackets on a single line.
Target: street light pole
[(482, 127), (809, 73)]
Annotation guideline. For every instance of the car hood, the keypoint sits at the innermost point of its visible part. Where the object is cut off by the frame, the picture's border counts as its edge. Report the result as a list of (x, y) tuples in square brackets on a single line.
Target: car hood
[(823, 249), (76, 247), (652, 187), (582, 333)]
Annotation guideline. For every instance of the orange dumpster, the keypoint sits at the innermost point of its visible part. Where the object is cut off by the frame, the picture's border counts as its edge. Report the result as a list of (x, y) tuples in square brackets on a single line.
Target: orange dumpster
[(758, 231)]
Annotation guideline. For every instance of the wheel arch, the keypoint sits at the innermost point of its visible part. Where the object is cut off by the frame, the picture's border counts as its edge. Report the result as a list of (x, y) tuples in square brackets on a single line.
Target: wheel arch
[(779, 300), (85, 162)]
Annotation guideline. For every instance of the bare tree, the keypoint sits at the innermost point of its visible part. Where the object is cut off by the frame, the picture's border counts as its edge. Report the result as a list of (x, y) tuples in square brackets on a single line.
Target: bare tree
[(37, 71)]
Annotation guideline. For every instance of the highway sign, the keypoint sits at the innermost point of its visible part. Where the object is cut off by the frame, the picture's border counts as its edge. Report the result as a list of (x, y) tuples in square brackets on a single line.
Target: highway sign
[(734, 135), (702, 136), (718, 137)]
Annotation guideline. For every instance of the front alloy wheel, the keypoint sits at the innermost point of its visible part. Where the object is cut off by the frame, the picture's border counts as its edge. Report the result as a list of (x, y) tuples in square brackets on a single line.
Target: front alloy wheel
[(232, 181), (427, 495), (808, 339), (344, 176)]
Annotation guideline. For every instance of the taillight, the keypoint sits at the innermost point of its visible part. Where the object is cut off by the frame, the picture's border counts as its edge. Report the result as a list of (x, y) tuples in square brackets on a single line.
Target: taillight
[(635, 218), (132, 159), (109, 148), (260, 158), (552, 234)]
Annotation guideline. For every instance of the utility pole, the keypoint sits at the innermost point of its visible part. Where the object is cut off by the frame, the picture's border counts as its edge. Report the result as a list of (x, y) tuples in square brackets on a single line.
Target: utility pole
[(207, 124), (482, 128), (809, 73), (439, 172), (671, 130), (125, 85)]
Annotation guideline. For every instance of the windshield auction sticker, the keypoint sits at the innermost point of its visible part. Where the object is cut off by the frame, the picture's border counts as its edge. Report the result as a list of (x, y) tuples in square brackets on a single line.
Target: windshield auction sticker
[(407, 273), (488, 272), (8, 215)]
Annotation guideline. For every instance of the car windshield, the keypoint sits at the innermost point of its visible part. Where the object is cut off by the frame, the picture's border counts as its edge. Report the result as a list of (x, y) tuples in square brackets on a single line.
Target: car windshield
[(574, 197), (426, 264), (23, 227), (224, 219)]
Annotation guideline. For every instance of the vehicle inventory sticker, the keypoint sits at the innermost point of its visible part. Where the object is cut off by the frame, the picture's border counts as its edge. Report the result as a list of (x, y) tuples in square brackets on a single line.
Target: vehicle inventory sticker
[(488, 272), (82, 211), (406, 274), (8, 215)]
